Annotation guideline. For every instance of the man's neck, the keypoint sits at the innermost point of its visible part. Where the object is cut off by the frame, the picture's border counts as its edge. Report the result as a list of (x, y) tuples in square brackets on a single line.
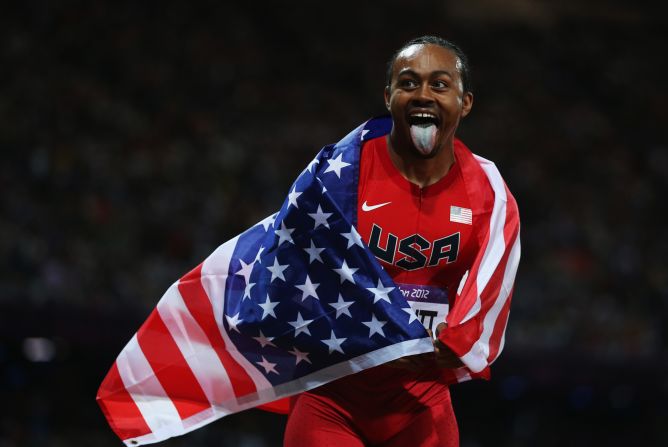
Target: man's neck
[(419, 170)]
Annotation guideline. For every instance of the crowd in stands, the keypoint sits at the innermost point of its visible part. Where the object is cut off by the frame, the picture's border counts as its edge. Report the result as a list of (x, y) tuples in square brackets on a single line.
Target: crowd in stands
[(137, 137)]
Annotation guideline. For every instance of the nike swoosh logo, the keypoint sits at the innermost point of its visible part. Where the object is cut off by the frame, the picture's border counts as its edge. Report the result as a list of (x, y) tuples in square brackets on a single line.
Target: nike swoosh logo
[(366, 207)]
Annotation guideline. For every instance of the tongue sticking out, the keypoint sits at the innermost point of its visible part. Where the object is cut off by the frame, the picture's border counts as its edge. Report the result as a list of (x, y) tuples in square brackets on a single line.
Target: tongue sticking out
[(424, 137)]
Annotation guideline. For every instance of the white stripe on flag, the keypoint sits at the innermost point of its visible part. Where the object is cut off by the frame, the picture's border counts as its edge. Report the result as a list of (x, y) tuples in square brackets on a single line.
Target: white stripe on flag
[(143, 386), (490, 318), (462, 374), (214, 278), (495, 244), (196, 349)]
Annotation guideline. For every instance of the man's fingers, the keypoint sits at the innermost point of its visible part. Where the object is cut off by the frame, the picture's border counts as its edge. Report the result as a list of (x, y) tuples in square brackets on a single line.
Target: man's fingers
[(445, 357), (410, 363)]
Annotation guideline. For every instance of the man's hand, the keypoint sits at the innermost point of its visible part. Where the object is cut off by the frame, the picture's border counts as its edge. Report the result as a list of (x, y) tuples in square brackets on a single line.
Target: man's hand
[(415, 363), (442, 354), (445, 358)]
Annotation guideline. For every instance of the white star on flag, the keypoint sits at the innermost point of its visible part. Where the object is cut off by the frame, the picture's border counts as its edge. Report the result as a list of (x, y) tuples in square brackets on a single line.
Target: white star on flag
[(335, 165), (324, 188), (342, 307), (375, 326), (232, 322), (299, 356), (284, 234), (380, 292), (292, 197), (314, 253), (268, 308), (334, 344), (308, 289), (268, 221), (353, 238), (346, 272), (277, 270), (313, 163), (245, 270), (247, 290), (268, 366), (411, 314), (300, 325), (320, 218), (266, 341), (258, 255)]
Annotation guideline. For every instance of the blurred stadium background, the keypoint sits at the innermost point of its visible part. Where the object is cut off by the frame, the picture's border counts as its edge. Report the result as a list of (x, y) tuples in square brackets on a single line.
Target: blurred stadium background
[(137, 136)]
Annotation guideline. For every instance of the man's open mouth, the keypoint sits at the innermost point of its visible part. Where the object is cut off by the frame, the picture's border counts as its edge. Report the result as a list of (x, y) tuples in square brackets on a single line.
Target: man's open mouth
[(423, 119), (423, 129)]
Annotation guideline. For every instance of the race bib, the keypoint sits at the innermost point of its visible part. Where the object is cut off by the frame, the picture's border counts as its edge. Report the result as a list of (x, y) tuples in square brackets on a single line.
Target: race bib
[(429, 303)]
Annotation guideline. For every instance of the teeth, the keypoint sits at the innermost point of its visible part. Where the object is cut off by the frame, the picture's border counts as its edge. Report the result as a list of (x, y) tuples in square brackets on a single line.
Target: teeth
[(423, 115)]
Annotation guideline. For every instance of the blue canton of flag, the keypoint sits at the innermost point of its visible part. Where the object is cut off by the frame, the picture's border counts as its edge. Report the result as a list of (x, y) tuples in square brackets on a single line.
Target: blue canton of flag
[(307, 299)]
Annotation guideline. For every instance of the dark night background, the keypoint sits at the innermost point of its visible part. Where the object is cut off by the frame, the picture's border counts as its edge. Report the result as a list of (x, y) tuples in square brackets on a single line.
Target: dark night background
[(137, 136)]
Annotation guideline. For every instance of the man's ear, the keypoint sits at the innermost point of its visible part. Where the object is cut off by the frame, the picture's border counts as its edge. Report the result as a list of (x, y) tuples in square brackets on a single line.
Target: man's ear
[(467, 103), (386, 95)]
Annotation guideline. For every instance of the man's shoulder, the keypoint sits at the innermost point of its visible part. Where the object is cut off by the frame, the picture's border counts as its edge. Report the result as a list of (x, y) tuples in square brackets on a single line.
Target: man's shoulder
[(483, 180)]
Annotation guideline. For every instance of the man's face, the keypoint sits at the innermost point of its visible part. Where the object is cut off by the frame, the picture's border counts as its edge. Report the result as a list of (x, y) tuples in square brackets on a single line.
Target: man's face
[(426, 99)]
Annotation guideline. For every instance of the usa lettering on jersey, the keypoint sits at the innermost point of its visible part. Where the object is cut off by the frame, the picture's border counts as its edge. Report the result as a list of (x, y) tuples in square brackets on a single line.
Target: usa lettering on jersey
[(414, 251)]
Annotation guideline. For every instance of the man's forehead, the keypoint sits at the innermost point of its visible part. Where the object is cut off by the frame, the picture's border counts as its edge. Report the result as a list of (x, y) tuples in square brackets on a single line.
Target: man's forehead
[(410, 53)]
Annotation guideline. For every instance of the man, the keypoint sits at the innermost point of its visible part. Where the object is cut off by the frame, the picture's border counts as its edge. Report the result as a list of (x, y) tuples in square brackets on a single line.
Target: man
[(414, 212), (298, 301)]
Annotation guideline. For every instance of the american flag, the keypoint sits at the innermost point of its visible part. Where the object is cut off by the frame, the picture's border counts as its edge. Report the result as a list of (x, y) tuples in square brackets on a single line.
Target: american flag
[(461, 215), (294, 302)]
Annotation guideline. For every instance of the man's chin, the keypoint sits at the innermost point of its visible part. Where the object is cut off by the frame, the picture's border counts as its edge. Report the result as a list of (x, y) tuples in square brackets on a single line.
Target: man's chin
[(433, 153), (419, 154)]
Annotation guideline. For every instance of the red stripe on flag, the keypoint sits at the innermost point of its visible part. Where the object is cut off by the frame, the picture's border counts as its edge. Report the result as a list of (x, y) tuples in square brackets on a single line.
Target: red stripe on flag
[(119, 408), (491, 293), (510, 232), (499, 329), (171, 368), (469, 332), (465, 301), (512, 227), (199, 306)]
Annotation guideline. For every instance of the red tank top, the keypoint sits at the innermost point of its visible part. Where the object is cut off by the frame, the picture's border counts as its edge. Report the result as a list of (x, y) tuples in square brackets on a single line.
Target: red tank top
[(419, 235), (424, 239)]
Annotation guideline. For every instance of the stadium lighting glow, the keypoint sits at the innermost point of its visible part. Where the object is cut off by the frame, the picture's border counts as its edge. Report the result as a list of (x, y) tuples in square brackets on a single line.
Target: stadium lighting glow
[(39, 349)]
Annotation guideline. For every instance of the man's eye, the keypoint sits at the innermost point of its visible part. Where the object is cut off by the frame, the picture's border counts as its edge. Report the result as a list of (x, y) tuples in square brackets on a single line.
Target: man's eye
[(407, 83), (440, 84)]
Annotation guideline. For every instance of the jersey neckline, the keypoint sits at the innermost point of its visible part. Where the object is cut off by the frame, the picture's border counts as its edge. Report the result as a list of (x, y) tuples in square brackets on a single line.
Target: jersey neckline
[(399, 180)]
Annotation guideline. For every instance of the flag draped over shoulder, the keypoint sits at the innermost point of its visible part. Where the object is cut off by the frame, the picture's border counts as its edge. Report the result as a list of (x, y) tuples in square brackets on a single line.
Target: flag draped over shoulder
[(297, 301), (477, 320)]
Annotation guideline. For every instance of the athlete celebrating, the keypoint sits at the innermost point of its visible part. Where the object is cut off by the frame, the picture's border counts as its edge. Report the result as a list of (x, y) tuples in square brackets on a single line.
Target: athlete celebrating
[(418, 191)]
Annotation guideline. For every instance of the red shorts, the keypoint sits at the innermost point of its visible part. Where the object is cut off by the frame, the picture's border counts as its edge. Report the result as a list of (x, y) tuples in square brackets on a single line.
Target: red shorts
[(346, 413)]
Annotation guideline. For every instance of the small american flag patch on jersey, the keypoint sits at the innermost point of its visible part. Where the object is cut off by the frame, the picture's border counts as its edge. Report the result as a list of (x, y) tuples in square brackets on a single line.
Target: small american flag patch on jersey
[(461, 215)]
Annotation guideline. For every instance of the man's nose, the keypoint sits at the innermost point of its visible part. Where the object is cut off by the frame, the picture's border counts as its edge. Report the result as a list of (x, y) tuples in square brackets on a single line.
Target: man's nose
[(423, 94)]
